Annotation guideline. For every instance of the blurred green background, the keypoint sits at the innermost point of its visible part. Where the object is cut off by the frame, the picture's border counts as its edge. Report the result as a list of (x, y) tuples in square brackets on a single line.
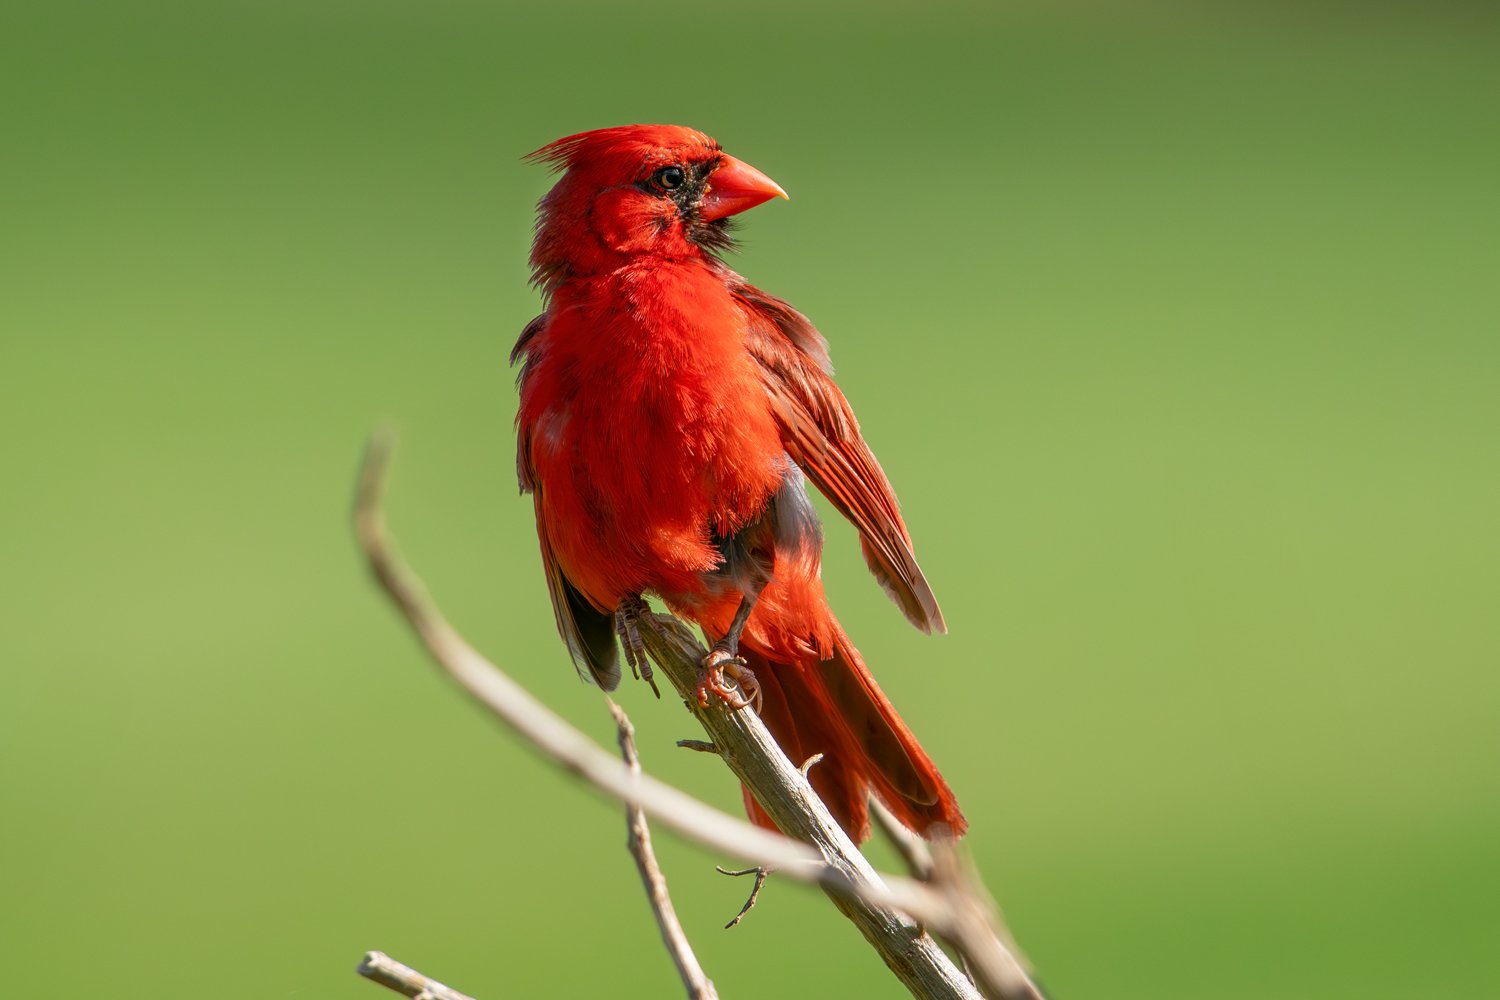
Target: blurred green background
[(1175, 326)]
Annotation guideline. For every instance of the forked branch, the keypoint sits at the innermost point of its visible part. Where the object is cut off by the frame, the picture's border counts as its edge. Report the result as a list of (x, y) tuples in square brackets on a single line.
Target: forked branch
[(890, 911)]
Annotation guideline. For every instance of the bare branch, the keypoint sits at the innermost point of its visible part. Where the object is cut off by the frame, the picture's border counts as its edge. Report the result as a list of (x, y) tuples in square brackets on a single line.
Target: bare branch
[(699, 986), (383, 969), (882, 907)]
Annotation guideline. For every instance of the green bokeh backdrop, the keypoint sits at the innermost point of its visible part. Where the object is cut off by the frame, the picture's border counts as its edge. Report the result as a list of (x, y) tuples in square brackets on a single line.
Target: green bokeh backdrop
[(1175, 326)]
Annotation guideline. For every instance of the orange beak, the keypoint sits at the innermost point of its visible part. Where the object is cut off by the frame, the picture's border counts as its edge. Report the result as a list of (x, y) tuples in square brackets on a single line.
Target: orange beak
[(735, 186)]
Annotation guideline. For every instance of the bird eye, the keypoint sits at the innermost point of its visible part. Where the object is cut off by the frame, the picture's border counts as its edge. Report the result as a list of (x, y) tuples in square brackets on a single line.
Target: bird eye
[(669, 178)]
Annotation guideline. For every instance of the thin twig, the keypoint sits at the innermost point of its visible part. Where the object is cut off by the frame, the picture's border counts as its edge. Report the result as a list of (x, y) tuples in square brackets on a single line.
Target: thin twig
[(922, 864), (694, 979), (378, 967), (702, 746), (912, 848), (760, 873), (977, 930), (882, 907)]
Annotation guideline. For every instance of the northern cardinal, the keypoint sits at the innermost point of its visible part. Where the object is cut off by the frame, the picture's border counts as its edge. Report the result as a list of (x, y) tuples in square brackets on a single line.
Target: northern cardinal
[(671, 413)]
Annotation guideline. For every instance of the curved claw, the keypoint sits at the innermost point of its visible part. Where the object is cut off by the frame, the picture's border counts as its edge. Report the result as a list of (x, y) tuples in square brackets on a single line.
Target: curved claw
[(627, 628), (740, 690)]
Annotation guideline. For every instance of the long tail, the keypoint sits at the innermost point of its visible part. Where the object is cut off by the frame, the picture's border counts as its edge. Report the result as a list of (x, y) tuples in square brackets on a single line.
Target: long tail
[(835, 708)]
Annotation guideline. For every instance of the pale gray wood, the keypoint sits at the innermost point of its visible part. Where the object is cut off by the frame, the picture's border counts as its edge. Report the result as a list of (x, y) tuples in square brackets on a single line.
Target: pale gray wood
[(890, 911)]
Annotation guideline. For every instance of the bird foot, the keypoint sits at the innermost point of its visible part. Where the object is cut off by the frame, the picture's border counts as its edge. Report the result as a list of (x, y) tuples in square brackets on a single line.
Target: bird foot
[(628, 629), (727, 677)]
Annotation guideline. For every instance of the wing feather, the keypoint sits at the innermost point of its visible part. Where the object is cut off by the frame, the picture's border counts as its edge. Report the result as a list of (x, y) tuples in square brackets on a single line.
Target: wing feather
[(823, 438), (587, 631)]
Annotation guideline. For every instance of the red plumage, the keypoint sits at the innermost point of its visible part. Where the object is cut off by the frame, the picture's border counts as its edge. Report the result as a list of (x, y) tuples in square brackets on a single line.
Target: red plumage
[(669, 412)]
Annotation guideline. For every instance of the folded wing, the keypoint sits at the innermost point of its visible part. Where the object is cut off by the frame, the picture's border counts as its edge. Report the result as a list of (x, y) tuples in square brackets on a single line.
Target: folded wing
[(822, 437), (587, 631)]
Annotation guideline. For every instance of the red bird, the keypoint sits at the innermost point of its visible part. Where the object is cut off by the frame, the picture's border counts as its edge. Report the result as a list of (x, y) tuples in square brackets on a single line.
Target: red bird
[(670, 415)]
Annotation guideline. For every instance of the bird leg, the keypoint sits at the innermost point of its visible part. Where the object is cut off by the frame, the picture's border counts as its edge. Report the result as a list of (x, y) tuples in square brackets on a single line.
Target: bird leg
[(741, 689), (628, 628)]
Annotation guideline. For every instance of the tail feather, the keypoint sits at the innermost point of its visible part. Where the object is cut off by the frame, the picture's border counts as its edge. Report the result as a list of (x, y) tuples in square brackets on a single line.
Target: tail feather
[(796, 707), (899, 770), (834, 707)]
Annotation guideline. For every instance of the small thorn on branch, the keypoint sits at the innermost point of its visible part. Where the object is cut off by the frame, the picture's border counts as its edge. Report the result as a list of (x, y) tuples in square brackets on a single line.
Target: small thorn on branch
[(702, 746), (760, 872)]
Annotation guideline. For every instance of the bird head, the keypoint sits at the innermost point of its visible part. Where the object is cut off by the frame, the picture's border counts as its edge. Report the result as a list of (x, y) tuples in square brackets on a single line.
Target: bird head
[(660, 191)]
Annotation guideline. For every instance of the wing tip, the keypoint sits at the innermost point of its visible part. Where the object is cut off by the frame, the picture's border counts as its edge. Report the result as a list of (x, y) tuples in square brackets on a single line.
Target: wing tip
[(607, 679), (932, 615), (597, 666), (936, 624), (906, 585), (931, 620)]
